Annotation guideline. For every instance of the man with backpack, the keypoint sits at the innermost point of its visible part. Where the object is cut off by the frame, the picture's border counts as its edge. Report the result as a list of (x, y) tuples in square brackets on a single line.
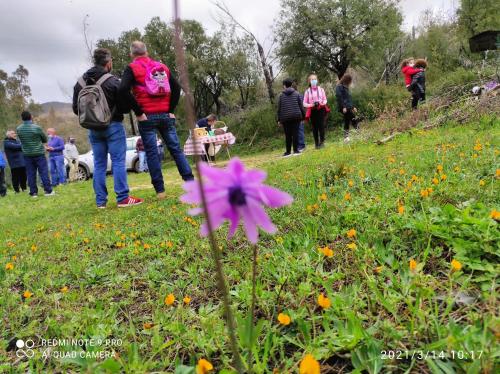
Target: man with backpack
[(149, 89), (95, 103)]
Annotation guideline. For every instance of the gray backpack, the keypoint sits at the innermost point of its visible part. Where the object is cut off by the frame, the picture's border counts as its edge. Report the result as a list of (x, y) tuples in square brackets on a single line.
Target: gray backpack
[(93, 108)]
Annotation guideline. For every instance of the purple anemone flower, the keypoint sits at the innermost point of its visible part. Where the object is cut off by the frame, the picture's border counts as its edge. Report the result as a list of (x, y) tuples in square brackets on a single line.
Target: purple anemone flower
[(233, 194)]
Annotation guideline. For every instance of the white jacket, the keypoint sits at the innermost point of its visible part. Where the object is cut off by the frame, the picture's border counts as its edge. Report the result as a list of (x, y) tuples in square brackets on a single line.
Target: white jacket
[(70, 151)]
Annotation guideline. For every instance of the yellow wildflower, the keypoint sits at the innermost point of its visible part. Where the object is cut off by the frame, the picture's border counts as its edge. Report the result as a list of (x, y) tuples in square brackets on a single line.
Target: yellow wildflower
[(309, 365), (435, 180), (495, 214), (323, 197), (443, 177), (347, 196), (147, 325), (27, 294), (323, 301), (9, 266), (413, 265), (186, 300), (351, 233), (170, 299), (64, 289), (482, 182), (352, 246), (284, 319), (401, 209), (326, 251), (203, 366), (455, 265), (350, 183)]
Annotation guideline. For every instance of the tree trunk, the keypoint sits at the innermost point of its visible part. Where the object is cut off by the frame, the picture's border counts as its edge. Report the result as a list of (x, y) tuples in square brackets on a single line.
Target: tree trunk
[(267, 73)]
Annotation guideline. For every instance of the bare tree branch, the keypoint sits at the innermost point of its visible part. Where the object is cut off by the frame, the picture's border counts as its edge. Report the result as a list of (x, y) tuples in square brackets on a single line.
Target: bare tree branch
[(88, 42)]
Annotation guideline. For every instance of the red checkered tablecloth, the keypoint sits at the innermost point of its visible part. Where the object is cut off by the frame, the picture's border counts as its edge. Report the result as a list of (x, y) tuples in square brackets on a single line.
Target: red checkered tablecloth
[(198, 148)]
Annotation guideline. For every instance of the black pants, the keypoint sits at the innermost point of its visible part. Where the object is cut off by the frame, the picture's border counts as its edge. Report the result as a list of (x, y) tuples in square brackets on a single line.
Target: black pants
[(318, 125), (292, 135), (3, 186), (417, 97), (18, 178), (348, 121)]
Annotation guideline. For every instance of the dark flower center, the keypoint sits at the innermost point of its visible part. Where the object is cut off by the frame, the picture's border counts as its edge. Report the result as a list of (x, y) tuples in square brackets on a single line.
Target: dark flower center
[(237, 196)]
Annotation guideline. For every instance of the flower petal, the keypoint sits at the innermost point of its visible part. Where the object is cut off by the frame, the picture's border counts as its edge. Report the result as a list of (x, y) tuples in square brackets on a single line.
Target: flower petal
[(249, 225), (274, 198), (236, 169), (233, 216), (254, 177), (260, 216)]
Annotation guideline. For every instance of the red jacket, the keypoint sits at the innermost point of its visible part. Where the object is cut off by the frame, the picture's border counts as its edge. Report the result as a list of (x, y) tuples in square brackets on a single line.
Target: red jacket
[(408, 71), (149, 104)]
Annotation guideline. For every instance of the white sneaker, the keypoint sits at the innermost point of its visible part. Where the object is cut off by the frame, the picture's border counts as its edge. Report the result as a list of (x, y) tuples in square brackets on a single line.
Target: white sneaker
[(347, 139), (34, 196), (53, 193)]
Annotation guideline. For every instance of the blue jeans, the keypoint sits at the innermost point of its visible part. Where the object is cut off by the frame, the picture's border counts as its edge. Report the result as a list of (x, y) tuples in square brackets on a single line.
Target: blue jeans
[(165, 126), (142, 161), (113, 141), (302, 137), (57, 170), (34, 164)]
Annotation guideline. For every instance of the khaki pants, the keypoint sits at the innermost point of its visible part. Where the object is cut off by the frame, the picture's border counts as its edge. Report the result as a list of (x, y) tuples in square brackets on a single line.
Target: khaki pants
[(73, 168)]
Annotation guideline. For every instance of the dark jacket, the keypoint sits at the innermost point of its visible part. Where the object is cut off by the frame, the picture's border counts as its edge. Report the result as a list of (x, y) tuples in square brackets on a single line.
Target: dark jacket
[(417, 85), (128, 100), (110, 88), (344, 99), (290, 106), (14, 153)]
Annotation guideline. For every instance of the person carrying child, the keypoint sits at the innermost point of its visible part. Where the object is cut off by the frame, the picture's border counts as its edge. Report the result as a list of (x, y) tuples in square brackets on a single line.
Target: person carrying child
[(417, 85), (408, 69)]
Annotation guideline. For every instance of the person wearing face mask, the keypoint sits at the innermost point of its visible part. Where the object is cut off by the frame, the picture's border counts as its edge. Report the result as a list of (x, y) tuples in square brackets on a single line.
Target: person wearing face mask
[(55, 147), (71, 154), (315, 103)]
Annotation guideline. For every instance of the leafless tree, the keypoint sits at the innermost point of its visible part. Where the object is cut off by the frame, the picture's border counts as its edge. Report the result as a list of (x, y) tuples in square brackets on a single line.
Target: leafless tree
[(264, 58), (88, 42)]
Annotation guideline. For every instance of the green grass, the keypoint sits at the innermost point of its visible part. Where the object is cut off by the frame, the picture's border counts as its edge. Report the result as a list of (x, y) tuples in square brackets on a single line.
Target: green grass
[(119, 265)]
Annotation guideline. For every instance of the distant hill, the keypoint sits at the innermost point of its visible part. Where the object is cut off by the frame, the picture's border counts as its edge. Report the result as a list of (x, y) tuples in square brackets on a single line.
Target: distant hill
[(57, 105)]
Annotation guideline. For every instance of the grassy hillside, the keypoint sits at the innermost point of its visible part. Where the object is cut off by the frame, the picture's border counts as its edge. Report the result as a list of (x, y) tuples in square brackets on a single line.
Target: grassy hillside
[(416, 204)]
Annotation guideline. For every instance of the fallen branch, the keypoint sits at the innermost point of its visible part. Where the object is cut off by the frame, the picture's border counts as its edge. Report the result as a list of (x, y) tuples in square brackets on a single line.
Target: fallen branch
[(387, 138)]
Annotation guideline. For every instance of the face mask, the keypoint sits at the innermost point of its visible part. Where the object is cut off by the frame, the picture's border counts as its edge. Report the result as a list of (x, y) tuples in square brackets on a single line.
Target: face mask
[(314, 82)]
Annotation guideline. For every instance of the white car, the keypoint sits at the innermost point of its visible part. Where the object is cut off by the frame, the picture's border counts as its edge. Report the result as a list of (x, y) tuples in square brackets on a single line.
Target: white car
[(86, 160)]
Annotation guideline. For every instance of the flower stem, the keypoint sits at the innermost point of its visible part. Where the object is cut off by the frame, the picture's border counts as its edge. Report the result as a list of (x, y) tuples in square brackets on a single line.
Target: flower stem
[(252, 305), (190, 117)]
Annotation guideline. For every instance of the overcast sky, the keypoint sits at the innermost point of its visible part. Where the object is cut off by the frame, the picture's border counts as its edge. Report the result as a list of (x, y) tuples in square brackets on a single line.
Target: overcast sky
[(46, 35)]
